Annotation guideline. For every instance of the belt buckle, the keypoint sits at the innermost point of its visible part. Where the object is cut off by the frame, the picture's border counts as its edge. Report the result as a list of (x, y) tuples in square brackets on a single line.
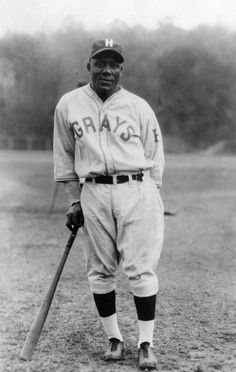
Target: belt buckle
[(139, 176)]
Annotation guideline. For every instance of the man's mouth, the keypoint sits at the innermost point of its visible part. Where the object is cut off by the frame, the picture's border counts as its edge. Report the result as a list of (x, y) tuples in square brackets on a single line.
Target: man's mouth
[(106, 81)]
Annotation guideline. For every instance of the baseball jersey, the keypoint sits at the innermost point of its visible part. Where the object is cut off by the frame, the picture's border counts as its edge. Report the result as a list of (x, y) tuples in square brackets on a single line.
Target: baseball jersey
[(118, 136)]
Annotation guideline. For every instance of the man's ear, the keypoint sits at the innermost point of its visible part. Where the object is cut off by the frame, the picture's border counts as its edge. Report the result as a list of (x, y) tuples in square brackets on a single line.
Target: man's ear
[(89, 67)]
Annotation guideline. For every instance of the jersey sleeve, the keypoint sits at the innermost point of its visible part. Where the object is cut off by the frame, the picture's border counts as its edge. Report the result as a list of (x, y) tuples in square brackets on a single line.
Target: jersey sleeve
[(63, 147), (151, 137), (73, 191)]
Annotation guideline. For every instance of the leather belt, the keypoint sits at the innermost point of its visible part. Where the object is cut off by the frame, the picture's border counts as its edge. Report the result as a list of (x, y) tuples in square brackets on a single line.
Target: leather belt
[(112, 180)]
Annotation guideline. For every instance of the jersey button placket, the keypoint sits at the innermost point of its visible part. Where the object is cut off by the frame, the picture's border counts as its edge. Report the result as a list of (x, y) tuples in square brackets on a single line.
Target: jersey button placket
[(104, 143)]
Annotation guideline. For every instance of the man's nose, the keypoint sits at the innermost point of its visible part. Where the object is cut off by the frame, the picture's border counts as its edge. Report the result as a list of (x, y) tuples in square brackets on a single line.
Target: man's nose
[(107, 69)]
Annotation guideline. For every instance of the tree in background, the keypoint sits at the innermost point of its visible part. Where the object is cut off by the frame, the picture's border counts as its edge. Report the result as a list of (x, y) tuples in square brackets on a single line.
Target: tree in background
[(196, 95), (189, 77)]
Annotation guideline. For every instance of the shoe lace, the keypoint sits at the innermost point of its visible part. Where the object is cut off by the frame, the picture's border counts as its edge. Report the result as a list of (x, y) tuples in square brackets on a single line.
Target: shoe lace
[(145, 346), (114, 342)]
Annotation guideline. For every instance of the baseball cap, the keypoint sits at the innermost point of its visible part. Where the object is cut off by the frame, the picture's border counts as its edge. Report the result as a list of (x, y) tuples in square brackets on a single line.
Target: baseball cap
[(100, 46)]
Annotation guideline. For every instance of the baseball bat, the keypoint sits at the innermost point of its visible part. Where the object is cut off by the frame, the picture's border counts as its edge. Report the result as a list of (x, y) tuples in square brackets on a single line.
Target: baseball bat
[(37, 326)]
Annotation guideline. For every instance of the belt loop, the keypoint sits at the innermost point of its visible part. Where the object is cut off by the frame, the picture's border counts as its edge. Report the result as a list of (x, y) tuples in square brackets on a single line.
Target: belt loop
[(93, 180), (130, 179), (114, 177)]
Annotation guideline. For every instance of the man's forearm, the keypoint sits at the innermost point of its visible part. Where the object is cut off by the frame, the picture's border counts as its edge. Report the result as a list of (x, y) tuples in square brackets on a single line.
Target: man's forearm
[(73, 191)]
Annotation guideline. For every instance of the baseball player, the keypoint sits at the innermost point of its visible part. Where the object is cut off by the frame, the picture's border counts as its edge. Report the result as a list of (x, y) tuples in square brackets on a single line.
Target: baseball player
[(111, 138)]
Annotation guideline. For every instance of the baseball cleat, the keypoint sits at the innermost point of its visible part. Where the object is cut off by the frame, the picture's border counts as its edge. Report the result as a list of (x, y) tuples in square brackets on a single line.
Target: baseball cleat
[(115, 350), (146, 358)]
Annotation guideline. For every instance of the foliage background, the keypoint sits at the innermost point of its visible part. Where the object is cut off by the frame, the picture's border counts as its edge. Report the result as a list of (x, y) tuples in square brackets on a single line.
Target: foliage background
[(188, 77)]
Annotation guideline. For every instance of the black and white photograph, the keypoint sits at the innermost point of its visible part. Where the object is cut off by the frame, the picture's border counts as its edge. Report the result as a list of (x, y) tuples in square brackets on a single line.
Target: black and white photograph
[(117, 185)]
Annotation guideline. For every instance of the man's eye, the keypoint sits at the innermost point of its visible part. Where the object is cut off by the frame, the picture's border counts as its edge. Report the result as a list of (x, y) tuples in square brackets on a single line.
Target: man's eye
[(98, 64)]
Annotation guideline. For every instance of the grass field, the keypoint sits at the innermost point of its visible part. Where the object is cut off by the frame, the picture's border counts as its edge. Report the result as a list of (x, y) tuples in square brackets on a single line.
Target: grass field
[(196, 325)]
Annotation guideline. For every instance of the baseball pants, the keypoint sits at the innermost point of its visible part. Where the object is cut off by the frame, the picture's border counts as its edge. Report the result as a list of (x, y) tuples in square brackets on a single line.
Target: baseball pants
[(124, 223)]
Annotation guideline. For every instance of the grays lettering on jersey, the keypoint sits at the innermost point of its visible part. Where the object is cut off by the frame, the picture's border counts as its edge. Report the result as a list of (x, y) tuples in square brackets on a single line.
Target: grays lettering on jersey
[(92, 137)]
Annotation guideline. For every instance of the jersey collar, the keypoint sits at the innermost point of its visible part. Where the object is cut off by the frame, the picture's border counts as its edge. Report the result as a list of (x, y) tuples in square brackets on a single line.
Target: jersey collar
[(93, 94)]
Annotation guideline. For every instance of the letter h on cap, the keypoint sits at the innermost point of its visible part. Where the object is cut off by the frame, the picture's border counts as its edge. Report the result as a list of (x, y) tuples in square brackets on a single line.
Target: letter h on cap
[(109, 43)]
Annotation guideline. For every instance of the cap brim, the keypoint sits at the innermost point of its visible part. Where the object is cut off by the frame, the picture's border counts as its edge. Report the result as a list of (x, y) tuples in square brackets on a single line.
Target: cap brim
[(120, 58)]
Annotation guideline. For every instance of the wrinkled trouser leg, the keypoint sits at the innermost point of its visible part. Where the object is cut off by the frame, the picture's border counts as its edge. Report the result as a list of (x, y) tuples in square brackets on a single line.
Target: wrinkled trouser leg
[(123, 221)]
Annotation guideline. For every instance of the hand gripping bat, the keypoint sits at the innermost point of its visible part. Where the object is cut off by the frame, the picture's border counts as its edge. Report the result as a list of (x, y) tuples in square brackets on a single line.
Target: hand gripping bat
[(37, 326)]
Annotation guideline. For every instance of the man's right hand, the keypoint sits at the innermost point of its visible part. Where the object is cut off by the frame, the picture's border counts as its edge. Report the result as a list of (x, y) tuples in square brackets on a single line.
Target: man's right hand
[(75, 217)]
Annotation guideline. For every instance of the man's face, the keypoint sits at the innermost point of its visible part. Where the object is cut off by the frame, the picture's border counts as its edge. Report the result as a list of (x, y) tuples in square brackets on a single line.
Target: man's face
[(105, 73)]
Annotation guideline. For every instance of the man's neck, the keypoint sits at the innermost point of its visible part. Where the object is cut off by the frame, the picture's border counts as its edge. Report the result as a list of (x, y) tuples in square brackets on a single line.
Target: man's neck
[(105, 95)]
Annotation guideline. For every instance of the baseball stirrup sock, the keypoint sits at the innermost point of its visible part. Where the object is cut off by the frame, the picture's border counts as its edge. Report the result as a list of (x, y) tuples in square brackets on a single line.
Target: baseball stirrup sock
[(106, 306), (105, 303), (145, 307)]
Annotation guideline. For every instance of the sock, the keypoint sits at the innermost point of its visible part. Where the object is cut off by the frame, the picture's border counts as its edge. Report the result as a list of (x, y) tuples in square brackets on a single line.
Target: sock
[(105, 303), (146, 328), (106, 306), (111, 327), (145, 307)]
